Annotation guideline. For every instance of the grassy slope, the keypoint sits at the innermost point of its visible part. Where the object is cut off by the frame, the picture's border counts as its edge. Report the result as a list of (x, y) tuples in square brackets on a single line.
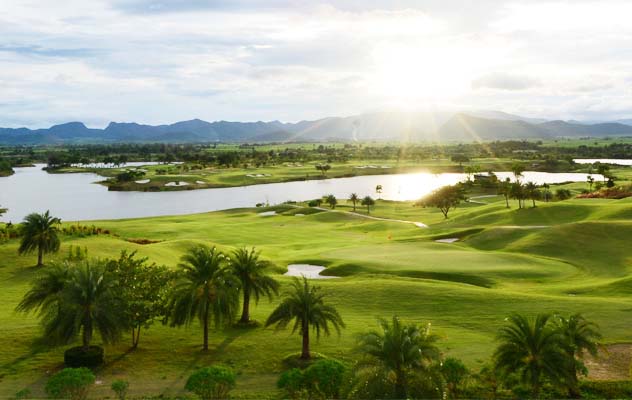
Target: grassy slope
[(580, 264)]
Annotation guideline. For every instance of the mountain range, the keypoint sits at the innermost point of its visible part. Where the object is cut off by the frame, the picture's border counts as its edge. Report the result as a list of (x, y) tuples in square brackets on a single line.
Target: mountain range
[(381, 126)]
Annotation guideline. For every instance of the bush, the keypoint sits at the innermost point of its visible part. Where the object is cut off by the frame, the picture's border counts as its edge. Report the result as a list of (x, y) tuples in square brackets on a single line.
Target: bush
[(292, 381), (22, 394), (606, 389), (73, 383), (563, 194), (324, 378), (454, 373), (211, 382), (77, 357), (120, 388)]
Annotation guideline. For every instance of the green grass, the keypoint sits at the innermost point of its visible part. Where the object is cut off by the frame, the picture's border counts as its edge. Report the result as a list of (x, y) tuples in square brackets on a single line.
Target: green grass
[(579, 262)]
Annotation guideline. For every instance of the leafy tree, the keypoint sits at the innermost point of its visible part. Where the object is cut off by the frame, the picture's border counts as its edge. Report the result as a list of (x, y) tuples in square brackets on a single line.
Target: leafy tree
[(580, 336), (40, 231), (517, 170), (120, 387), (143, 288), (604, 170), (323, 168), (444, 198), (454, 373), (460, 158), (205, 288), (76, 299), (305, 305), (4, 210), (73, 383), (331, 200), (214, 382), (353, 198), (590, 181), (533, 349), (504, 188), (378, 190), (399, 350), (368, 202), (610, 183), (252, 273)]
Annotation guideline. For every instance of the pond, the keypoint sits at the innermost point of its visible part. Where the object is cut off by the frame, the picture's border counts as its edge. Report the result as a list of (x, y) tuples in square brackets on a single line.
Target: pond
[(75, 197), (615, 161)]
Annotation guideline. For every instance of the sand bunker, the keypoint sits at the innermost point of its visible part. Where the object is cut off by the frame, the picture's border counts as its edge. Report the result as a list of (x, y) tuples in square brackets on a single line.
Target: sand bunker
[(178, 183), (307, 270), (447, 240), (267, 213), (143, 181)]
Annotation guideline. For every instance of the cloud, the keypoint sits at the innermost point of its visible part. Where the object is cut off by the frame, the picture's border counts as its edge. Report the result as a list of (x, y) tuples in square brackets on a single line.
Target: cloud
[(504, 81), (157, 61)]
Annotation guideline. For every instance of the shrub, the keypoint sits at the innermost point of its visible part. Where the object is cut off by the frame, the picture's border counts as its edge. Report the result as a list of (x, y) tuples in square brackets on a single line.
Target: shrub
[(23, 394), (292, 381), (563, 194), (324, 378), (211, 382), (120, 388), (454, 373), (73, 383), (78, 357)]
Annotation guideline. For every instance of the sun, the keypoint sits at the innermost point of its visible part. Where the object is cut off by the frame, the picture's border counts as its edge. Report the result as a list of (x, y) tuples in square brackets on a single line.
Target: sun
[(419, 73)]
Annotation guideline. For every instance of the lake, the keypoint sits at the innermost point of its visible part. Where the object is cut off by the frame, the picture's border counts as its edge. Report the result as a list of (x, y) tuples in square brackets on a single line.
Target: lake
[(75, 197), (615, 161)]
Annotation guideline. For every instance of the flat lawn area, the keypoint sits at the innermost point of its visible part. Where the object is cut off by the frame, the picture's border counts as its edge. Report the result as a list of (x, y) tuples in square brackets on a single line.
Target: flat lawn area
[(570, 256)]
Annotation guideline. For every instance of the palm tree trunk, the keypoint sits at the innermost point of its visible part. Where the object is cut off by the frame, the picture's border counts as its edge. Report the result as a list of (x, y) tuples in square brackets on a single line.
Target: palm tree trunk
[(533, 203), (305, 353), (507, 201), (245, 313), (87, 333), (40, 255), (368, 210), (354, 206), (205, 322), (400, 385)]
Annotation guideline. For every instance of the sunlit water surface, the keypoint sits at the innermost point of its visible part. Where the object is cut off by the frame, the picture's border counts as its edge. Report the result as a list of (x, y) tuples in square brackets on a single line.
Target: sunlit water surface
[(76, 197)]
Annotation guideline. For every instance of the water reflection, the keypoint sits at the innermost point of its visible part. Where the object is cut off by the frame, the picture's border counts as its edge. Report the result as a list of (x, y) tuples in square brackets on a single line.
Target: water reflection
[(75, 197)]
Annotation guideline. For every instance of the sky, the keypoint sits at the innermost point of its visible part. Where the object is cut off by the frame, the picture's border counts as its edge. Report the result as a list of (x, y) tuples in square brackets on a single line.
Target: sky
[(161, 61)]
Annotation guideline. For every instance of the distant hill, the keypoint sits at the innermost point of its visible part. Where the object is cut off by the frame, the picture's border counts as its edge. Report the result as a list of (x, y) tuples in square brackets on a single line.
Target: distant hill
[(379, 126)]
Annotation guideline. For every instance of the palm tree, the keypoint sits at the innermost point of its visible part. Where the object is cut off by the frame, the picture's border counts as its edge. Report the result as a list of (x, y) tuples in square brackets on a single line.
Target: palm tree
[(206, 288), (305, 305), (532, 348), (504, 188), (331, 200), (251, 271), (76, 299), (368, 202), (400, 349), (531, 191), (354, 199), (39, 231), (580, 336)]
